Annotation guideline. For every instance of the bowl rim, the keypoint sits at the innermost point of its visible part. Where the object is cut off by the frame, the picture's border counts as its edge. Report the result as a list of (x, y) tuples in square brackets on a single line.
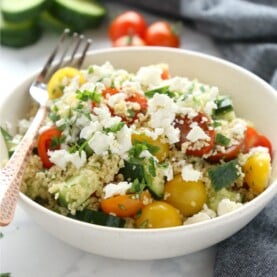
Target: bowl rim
[(269, 192)]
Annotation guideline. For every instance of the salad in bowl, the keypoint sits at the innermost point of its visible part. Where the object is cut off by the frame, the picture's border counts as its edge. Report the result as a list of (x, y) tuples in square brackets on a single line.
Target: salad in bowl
[(142, 149)]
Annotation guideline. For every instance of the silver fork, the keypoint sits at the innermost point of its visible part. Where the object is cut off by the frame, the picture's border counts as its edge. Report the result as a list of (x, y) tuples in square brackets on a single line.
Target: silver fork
[(11, 175)]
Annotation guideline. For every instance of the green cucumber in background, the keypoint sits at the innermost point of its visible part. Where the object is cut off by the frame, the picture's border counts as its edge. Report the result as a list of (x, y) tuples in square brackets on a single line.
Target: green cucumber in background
[(81, 14), (21, 10), (48, 22), (19, 35), (22, 21)]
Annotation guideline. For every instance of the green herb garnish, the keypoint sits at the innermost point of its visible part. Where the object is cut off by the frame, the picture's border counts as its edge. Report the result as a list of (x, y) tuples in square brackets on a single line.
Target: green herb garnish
[(114, 128), (88, 95), (161, 90)]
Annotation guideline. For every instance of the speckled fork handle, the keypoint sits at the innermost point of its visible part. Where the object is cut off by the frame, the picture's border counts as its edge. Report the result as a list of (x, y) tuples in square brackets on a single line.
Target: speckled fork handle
[(11, 175)]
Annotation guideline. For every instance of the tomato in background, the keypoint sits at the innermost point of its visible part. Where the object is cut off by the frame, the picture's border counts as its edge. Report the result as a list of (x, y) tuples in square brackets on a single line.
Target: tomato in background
[(45, 143), (127, 23), (161, 33), (129, 40)]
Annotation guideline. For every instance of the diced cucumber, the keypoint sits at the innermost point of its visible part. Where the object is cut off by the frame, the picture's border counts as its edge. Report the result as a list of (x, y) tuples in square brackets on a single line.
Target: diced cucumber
[(81, 14), (49, 22), (21, 10), (132, 171), (18, 34), (76, 190), (143, 173), (99, 218)]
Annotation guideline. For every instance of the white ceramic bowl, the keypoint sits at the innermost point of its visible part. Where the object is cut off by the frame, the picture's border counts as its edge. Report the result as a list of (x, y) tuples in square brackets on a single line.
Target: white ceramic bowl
[(253, 99)]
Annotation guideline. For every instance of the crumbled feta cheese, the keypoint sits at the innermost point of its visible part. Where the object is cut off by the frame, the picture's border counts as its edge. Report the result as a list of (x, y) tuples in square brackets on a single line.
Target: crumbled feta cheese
[(226, 205), (124, 141), (203, 215), (116, 98), (100, 142), (89, 130), (149, 76), (197, 133), (239, 127), (116, 189), (209, 107), (190, 174), (61, 157), (162, 111), (178, 84)]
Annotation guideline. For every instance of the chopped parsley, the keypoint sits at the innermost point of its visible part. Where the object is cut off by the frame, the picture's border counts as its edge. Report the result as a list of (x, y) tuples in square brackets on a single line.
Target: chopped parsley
[(56, 141), (162, 90), (114, 128), (86, 95), (137, 186)]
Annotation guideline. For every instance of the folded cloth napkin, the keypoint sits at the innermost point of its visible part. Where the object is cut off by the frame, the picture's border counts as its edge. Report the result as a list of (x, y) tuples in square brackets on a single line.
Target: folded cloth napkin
[(245, 33)]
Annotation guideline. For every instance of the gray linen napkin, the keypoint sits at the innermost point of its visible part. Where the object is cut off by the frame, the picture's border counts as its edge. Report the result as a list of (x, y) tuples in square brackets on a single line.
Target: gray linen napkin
[(245, 33)]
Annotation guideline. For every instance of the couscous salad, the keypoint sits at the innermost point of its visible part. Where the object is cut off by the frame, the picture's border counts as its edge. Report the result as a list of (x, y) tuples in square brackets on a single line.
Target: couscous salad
[(142, 149)]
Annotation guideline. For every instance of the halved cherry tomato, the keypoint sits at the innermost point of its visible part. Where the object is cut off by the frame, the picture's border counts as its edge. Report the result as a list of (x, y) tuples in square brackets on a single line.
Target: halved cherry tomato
[(128, 40), (184, 123), (230, 153), (140, 99), (55, 84), (253, 138), (125, 205), (134, 98), (45, 143), (161, 33), (127, 23), (109, 92)]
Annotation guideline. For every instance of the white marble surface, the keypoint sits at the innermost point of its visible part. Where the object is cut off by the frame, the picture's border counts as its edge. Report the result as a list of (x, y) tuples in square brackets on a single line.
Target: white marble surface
[(26, 250)]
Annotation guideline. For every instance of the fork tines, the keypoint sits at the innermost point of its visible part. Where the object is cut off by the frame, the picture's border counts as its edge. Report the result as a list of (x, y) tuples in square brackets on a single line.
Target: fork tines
[(71, 48)]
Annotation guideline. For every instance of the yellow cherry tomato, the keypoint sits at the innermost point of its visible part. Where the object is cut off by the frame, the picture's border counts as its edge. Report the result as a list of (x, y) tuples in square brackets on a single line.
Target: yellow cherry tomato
[(257, 172), (162, 147), (158, 214), (55, 84), (188, 197)]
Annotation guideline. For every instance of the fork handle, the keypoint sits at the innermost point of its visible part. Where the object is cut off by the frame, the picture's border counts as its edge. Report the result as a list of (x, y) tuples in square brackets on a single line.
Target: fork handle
[(11, 175)]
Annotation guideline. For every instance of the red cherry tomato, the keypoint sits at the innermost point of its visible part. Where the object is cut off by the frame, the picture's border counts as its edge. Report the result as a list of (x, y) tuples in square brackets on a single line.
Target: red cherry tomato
[(134, 98), (127, 23), (140, 99), (160, 33), (230, 153), (253, 138), (129, 40), (45, 143), (184, 123)]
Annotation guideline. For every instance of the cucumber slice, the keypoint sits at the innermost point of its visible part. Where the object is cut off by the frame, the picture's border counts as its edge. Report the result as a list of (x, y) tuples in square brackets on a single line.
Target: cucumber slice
[(77, 189), (80, 14), (21, 10), (18, 34), (48, 22), (99, 218)]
